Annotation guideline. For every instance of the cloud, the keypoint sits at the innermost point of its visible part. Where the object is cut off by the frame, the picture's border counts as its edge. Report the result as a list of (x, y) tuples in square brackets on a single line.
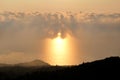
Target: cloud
[(98, 35)]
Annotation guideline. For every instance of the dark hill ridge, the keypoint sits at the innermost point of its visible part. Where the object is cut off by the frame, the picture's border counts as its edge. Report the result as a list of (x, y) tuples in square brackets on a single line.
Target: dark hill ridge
[(35, 63), (108, 68), (2, 64)]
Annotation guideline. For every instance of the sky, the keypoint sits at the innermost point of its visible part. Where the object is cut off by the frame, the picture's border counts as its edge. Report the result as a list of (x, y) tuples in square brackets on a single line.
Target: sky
[(61, 5), (59, 32)]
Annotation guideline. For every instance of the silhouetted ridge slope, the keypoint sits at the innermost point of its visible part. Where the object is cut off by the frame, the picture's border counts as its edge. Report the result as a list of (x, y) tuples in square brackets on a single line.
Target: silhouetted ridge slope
[(108, 68), (3, 65), (112, 61), (35, 63)]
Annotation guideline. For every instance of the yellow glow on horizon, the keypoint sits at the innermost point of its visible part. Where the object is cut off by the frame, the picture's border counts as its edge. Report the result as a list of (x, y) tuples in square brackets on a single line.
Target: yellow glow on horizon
[(59, 45), (60, 51)]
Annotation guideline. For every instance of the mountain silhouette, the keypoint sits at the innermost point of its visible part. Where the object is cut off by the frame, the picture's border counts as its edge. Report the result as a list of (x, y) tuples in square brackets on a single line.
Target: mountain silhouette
[(107, 68), (35, 63), (3, 65)]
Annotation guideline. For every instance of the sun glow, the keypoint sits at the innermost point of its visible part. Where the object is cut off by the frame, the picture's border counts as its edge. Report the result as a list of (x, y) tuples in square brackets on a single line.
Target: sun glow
[(58, 40), (60, 51), (59, 45)]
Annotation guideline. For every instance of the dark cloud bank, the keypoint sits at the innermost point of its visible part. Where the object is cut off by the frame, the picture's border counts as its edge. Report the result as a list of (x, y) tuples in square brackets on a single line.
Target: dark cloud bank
[(98, 35)]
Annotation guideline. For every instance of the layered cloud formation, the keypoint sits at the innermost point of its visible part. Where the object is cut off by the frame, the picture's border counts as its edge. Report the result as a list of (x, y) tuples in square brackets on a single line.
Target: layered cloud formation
[(98, 35)]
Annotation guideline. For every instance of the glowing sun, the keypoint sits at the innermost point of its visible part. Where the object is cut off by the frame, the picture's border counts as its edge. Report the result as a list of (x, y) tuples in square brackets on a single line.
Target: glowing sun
[(60, 50), (59, 45), (58, 40)]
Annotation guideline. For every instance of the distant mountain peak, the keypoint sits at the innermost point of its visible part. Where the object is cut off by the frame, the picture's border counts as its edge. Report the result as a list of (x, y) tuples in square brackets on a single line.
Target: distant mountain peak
[(34, 63)]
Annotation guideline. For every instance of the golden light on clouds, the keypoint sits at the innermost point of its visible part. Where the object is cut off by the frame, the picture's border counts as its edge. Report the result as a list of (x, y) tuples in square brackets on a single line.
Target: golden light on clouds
[(59, 51)]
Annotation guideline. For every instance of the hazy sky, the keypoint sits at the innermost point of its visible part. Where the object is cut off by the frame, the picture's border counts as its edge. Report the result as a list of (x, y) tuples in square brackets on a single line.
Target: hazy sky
[(25, 37), (61, 5), (91, 34)]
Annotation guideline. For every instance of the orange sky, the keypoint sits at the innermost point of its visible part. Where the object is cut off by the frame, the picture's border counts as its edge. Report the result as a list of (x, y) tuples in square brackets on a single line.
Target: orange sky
[(59, 37), (61, 5)]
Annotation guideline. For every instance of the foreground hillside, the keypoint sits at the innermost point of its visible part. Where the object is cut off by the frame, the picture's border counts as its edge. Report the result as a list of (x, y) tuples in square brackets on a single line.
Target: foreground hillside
[(97, 70)]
